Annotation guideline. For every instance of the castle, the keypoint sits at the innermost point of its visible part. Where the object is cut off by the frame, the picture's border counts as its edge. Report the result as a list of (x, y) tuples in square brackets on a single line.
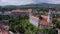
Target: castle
[(46, 22)]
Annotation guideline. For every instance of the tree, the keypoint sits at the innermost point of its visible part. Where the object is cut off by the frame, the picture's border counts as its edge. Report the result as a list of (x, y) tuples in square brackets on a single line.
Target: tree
[(51, 31)]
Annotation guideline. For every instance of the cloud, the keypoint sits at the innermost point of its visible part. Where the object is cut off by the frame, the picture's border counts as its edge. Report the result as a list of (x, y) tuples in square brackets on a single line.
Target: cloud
[(54, 1), (39, 1), (23, 2), (48, 1), (15, 2)]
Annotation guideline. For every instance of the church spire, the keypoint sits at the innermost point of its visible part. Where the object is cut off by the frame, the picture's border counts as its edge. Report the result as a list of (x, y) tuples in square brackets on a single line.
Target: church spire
[(49, 20)]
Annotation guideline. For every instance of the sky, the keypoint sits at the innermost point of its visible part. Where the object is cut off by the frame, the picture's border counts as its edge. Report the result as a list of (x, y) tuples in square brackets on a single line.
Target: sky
[(23, 2)]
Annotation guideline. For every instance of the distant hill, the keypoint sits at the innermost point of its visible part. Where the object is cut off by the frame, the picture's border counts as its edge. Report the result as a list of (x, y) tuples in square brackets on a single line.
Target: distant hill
[(33, 6), (45, 5)]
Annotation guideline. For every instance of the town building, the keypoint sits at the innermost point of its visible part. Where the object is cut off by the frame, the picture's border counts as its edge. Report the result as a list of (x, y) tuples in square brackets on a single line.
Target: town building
[(4, 28), (45, 22), (41, 21)]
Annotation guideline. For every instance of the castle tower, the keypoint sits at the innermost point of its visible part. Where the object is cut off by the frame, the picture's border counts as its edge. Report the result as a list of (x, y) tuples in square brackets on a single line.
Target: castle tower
[(49, 20)]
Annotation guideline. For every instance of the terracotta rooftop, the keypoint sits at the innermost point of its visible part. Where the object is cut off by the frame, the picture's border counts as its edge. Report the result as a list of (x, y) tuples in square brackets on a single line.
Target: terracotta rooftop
[(44, 17), (44, 21), (29, 10), (36, 18), (58, 19)]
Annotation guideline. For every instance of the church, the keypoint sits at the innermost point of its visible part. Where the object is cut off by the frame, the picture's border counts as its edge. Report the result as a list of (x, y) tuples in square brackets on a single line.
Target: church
[(45, 22)]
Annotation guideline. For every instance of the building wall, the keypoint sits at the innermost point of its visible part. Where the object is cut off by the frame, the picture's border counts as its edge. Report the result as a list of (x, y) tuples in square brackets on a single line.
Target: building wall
[(33, 21), (22, 14)]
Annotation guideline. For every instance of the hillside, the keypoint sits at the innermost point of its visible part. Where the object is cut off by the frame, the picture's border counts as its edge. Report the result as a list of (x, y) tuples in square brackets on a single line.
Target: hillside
[(33, 6), (37, 5)]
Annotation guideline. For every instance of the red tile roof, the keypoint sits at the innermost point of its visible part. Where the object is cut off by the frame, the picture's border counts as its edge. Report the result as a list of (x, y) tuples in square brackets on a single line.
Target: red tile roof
[(29, 10), (44, 17), (44, 21), (36, 18), (58, 19), (19, 10)]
